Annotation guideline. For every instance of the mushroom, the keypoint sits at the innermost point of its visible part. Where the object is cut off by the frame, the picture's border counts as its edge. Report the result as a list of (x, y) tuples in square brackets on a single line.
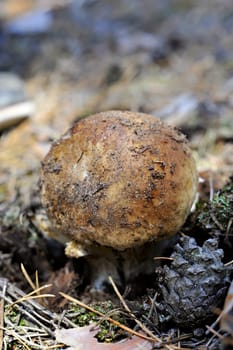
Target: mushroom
[(116, 186)]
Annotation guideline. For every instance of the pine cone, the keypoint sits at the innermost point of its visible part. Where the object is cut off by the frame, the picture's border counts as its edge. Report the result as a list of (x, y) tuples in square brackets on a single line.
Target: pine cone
[(195, 283)]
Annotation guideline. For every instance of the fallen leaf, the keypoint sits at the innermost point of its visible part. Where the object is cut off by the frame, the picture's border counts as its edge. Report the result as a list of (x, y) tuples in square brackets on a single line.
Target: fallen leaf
[(61, 281), (82, 338)]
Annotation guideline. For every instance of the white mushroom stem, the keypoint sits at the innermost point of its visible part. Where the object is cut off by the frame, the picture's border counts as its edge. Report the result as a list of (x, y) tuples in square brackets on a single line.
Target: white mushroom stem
[(122, 266), (103, 262)]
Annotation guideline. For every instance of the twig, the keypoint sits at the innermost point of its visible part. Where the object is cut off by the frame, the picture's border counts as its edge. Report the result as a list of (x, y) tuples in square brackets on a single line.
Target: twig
[(217, 334), (162, 258), (182, 337), (1, 322), (27, 277), (11, 115), (214, 324), (109, 314), (37, 281), (229, 226), (217, 223), (116, 323), (16, 336), (32, 296), (178, 335), (36, 309), (31, 315), (229, 263), (54, 346), (153, 306), (2, 315), (37, 337), (140, 324), (211, 188)]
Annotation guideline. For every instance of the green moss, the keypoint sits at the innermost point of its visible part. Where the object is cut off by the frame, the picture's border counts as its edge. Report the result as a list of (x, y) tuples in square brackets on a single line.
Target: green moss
[(217, 214), (11, 216), (23, 322), (16, 317), (108, 332)]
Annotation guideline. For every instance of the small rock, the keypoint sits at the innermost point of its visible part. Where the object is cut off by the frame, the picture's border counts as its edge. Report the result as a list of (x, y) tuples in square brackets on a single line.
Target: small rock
[(11, 89), (14, 105), (179, 110)]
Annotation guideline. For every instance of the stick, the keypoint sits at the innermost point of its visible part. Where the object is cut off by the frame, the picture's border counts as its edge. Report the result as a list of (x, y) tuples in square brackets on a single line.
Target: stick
[(139, 323), (116, 323), (2, 315), (13, 114)]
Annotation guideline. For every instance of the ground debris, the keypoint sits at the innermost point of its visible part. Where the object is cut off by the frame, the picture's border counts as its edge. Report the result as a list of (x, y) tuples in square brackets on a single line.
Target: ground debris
[(215, 216), (27, 324), (85, 338)]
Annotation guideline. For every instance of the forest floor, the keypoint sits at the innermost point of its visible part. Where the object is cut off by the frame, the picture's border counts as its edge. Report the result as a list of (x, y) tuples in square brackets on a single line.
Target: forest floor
[(172, 59)]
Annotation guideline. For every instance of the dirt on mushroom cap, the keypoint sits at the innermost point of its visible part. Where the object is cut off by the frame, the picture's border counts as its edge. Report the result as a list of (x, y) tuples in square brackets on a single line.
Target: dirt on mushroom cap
[(119, 179)]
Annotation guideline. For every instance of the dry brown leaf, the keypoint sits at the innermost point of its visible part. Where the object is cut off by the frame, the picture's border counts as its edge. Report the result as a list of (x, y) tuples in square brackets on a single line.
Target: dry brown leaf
[(82, 338), (61, 281)]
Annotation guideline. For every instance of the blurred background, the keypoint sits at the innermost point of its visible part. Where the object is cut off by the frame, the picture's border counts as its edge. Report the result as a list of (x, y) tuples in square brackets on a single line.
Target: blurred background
[(63, 60)]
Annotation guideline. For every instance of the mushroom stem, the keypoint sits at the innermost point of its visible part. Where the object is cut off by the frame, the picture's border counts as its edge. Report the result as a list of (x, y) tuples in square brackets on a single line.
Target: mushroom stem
[(123, 266)]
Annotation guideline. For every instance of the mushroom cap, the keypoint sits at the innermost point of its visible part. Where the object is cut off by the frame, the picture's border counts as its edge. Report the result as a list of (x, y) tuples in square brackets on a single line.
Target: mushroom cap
[(118, 179)]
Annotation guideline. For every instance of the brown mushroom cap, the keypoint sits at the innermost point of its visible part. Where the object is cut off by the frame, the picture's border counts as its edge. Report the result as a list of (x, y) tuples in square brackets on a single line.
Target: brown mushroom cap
[(119, 179)]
